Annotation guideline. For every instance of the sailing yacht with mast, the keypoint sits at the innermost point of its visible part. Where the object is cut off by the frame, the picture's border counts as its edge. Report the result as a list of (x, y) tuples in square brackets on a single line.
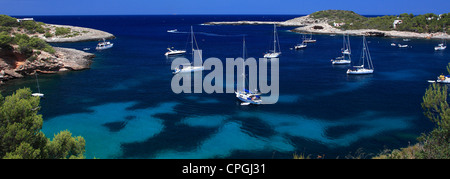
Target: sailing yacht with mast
[(346, 53), (302, 45), (443, 45), (274, 53), (187, 68), (310, 40), (365, 56), (246, 96), (38, 94)]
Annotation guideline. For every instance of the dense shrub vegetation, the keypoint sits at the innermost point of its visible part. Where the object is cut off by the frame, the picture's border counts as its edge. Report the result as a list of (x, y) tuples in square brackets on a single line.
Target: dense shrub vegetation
[(21, 136), (26, 43), (426, 23)]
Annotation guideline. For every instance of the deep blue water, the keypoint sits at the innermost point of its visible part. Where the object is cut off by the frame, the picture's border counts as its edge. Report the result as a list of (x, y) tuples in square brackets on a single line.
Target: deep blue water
[(124, 106)]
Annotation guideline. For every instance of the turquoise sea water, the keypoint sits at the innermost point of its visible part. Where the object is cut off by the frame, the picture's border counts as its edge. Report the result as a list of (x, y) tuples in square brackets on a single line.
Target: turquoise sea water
[(124, 106)]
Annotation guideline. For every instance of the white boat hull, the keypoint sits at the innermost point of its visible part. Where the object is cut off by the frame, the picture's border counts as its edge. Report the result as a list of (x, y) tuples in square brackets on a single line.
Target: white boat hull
[(309, 41), (272, 55), (188, 69), (247, 98), (440, 48), (341, 62), (175, 53), (360, 71), (300, 47), (104, 47), (38, 95)]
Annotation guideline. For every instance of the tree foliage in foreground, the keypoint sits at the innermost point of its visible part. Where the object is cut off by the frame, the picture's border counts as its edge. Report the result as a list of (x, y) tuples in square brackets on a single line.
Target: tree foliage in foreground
[(21, 136), (435, 144)]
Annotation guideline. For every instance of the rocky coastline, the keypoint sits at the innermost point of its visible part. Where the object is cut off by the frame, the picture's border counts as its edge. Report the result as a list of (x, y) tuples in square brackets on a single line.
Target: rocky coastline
[(81, 34), (15, 65), (306, 24)]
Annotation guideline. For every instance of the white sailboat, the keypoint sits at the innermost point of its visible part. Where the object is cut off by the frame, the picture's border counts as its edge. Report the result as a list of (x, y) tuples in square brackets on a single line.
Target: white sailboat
[(443, 45), (172, 31), (273, 53), (309, 40), (346, 53), (247, 97), (363, 69), (302, 45), (38, 94), (187, 68)]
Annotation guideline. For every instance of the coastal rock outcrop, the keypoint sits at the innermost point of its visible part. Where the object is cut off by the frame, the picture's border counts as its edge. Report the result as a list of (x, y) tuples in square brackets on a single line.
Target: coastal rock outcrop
[(307, 24), (79, 34), (14, 65)]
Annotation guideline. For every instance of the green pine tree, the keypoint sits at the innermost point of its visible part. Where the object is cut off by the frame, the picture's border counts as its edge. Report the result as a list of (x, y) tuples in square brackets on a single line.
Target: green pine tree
[(21, 136)]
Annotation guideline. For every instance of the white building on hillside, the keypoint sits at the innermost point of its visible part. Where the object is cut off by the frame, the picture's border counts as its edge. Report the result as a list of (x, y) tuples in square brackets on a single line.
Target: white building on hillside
[(396, 22), (25, 19)]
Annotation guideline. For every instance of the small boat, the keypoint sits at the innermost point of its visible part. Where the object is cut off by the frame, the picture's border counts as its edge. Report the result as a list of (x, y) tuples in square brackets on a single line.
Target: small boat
[(38, 94), (310, 40), (273, 53), (174, 52), (440, 47), (393, 44), (406, 40), (402, 46), (172, 31), (346, 54), (362, 70), (187, 69), (104, 45), (443, 45), (443, 79), (247, 97), (341, 61), (301, 46), (346, 49), (86, 49)]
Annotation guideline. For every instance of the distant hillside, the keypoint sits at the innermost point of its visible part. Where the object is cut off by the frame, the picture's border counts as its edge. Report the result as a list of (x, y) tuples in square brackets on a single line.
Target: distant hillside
[(338, 15), (426, 23)]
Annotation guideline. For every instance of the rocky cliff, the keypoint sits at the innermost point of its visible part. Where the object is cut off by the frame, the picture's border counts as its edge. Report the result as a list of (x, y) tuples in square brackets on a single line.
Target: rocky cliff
[(14, 65)]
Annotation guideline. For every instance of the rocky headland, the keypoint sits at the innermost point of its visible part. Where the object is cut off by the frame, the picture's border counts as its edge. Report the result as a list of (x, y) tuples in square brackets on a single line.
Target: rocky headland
[(308, 24), (23, 54), (15, 65), (77, 34)]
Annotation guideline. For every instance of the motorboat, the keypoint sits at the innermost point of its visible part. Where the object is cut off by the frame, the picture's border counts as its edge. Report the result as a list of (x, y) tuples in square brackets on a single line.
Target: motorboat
[(172, 31), (174, 52), (443, 79), (104, 45), (187, 69)]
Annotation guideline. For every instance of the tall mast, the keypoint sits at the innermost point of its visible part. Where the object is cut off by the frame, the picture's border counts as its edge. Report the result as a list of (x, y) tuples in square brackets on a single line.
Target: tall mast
[(192, 42), (274, 38), (364, 50), (37, 82), (243, 65)]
